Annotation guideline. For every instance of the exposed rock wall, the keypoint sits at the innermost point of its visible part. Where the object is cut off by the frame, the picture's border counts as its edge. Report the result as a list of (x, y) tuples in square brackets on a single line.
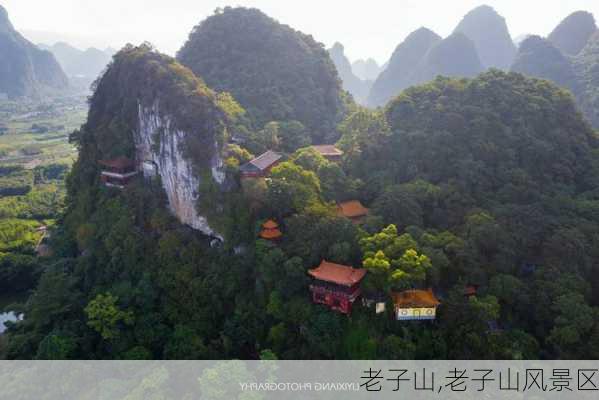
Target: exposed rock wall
[(159, 142)]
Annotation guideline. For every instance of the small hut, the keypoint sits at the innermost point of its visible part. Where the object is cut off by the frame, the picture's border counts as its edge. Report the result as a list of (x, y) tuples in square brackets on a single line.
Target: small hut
[(270, 231), (415, 305), (118, 172), (353, 209), (329, 151), (261, 165)]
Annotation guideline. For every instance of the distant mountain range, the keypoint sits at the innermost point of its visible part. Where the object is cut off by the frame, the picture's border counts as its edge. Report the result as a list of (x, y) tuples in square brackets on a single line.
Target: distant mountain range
[(367, 70), (80, 63), (569, 56), (358, 87), (82, 66), (402, 67), (573, 33), (488, 30), (26, 70), (480, 41)]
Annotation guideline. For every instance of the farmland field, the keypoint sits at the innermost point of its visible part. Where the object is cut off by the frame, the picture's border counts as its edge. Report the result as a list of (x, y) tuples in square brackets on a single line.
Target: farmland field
[(35, 156)]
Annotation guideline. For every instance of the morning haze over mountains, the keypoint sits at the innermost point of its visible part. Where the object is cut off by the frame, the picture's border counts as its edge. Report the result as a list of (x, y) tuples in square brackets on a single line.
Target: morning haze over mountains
[(480, 41), (27, 70), (242, 198)]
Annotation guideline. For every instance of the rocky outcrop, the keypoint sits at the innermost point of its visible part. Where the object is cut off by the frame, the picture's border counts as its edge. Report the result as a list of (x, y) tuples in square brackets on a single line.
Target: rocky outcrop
[(158, 142)]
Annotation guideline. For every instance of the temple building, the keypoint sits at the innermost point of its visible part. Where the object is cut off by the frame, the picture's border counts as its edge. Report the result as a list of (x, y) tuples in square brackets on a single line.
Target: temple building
[(353, 210), (336, 286), (415, 305), (117, 172), (261, 165), (270, 231), (470, 290), (329, 151)]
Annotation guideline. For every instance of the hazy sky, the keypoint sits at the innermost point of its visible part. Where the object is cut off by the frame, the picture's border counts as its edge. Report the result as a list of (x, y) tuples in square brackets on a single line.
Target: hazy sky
[(367, 28)]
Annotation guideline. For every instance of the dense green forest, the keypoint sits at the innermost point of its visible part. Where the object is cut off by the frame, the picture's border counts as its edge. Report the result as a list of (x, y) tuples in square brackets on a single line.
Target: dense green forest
[(286, 75), (490, 181)]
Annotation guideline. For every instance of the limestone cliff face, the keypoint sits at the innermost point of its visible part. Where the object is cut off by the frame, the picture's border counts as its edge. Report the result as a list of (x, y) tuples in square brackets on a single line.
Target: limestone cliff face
[(160, 144)]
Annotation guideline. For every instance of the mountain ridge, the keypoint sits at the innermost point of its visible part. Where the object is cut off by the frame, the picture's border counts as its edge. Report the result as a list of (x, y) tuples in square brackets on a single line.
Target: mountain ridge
[(488, 30), (25, 70)]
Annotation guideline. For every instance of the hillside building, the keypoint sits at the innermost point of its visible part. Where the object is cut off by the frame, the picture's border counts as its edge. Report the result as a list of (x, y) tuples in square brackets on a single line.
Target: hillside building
[(329, 151), (415, 305), (270, 231), (353, 209), (336, 286), (118, 172), (261, 165)]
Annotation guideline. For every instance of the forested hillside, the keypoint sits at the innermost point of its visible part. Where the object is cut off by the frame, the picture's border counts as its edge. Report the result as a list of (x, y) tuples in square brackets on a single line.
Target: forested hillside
[(204, 208), (275, 72), (586, 65), (488, 182)]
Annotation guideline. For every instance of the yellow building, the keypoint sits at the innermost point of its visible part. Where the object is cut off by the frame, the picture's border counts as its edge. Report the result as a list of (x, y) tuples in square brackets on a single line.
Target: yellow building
[(415, 305)]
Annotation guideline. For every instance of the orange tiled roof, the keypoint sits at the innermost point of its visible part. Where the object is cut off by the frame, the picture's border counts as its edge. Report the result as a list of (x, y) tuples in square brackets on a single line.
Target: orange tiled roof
[(270, 224), (415, 298), (337, 273), (270, 234), (352, 209), (327, 150)]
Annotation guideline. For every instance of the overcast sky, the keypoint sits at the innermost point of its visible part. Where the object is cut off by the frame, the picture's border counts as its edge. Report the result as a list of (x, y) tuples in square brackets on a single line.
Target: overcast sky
[(369, 28)]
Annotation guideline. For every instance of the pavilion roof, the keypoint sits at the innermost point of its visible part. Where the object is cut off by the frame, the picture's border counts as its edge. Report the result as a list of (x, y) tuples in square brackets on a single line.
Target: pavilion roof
[(270, 233), (262, 162), (415, 298), (270, 224), (352, 209), (337, 273), (327, 150)]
